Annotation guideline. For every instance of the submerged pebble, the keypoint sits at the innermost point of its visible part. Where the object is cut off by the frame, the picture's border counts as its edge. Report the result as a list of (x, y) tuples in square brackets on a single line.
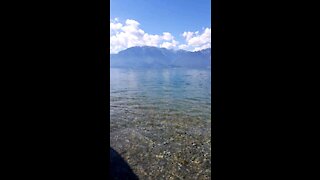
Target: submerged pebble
[(162, 133)]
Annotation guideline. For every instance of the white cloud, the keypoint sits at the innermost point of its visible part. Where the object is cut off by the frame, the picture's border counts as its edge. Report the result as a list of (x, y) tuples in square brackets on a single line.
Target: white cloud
[(131, 22), (115, 26), (196, 41), (129, 34), (167, 36), (151, 40), (187, 35), (183, 46), (205, 46), (170, 45)]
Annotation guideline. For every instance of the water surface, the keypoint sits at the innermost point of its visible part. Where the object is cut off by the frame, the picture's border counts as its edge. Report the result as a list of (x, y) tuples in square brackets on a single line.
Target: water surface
[(160, 121)]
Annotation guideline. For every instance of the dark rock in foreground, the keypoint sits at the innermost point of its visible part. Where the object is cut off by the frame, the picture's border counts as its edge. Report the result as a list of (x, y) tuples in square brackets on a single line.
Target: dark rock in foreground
[(119, 169)]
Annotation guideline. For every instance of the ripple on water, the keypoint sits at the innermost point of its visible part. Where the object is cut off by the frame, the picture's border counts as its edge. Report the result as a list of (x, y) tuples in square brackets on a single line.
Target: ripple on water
[(162, 125)]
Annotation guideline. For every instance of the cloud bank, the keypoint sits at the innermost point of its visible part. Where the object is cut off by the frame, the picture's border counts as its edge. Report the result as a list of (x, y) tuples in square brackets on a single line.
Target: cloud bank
[(129, 34)]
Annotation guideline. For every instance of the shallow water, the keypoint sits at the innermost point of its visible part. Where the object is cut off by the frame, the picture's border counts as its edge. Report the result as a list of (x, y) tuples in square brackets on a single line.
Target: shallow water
[(160, 121)]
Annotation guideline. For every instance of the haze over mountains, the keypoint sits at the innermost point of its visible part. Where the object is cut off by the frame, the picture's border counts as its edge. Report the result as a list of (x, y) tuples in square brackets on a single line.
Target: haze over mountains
[(153, 57)]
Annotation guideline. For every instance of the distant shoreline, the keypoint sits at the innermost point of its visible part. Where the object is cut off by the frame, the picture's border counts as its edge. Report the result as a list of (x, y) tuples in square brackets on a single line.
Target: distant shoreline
[(152, 57)]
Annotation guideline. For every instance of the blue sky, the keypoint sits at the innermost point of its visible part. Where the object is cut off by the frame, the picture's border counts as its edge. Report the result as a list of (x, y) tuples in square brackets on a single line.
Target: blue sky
[(175, 24)]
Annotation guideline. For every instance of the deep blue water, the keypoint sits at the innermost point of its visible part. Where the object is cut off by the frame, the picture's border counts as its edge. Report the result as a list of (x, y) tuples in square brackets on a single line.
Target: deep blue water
[(161, 121)]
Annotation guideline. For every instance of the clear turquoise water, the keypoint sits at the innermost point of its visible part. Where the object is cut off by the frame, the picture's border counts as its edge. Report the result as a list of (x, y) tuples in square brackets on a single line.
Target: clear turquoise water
[(160, 121)]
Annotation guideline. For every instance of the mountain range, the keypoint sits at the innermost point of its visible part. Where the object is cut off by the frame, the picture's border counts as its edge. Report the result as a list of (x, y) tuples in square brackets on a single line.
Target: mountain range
[(153, 57)]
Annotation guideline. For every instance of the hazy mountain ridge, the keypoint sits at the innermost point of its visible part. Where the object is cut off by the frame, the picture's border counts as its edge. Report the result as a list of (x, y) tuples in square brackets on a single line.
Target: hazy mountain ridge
[(153, 57)]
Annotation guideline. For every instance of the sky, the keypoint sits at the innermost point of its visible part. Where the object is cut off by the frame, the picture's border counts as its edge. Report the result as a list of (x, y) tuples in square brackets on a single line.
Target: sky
[(172, 24)]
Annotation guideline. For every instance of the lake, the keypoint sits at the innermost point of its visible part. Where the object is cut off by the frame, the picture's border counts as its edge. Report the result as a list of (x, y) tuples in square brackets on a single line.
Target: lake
[(160, 121)]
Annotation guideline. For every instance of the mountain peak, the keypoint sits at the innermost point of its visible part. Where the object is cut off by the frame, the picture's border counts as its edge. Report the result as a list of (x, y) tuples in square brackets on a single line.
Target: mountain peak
[(158, 48), (150, 56)]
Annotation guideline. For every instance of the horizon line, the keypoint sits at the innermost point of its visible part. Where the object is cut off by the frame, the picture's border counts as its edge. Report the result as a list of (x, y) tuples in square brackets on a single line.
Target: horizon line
[(159, 48)]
